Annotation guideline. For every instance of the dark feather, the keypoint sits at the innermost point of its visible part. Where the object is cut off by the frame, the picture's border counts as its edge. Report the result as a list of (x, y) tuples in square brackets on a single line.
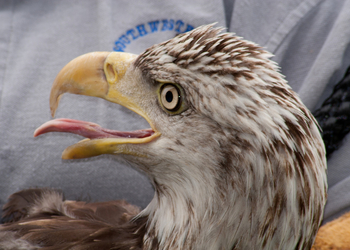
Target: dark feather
[(39, 217), (19, 204), (333, 116)]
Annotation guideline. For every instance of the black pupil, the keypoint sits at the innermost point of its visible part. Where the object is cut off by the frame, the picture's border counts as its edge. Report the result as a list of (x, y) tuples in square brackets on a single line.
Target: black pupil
[(169, 96)]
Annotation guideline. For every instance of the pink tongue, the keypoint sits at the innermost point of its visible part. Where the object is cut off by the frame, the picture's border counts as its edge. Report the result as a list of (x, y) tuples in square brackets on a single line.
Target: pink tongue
[(88, 129)]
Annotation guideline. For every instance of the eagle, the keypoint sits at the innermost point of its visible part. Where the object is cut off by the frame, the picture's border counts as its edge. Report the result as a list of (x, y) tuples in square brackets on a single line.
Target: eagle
[(236, 160)]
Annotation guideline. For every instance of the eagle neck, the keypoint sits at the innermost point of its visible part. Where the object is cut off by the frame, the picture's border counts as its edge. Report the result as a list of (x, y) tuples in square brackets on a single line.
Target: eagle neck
[(183, 219)]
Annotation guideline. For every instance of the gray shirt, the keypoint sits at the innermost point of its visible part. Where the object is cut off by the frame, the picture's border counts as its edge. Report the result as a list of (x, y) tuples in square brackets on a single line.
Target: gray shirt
[(310, 39)]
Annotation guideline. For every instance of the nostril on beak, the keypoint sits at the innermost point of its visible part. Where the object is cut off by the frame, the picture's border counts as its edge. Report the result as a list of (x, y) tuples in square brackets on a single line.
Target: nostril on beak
[(110, 73)]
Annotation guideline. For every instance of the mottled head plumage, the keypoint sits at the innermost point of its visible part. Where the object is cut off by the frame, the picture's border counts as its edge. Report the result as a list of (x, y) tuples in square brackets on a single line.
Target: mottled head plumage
[(225, 78), (265, 148)]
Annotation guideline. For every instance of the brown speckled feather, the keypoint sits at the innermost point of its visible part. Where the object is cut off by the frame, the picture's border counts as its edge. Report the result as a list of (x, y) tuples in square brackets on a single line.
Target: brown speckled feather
[(45, 220)]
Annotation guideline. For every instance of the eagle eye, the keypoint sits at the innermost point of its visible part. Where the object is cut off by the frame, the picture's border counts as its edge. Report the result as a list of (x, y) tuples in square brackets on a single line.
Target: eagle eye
[(171, 98)]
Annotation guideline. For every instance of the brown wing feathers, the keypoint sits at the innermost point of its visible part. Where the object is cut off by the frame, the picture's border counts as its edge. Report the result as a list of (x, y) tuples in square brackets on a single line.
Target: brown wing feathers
[(20, 203), (43, 218)]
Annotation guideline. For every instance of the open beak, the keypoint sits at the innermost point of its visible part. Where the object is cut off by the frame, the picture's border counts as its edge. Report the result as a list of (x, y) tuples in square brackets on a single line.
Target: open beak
[(99, 74)]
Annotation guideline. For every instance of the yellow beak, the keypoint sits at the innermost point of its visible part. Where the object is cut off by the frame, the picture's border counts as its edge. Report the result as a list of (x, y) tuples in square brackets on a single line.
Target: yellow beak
[(97, 74)]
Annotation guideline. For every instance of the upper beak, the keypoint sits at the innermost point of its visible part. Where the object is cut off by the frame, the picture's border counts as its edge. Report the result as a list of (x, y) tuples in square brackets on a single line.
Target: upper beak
[(98, 74), (95, 74)]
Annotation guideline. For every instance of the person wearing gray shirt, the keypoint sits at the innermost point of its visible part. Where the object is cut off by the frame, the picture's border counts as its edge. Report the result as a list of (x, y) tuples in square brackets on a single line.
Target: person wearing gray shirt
[(309, 38)]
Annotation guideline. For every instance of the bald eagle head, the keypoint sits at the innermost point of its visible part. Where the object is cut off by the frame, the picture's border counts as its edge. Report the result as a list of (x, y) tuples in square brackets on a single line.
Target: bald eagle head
[(236, 159)]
